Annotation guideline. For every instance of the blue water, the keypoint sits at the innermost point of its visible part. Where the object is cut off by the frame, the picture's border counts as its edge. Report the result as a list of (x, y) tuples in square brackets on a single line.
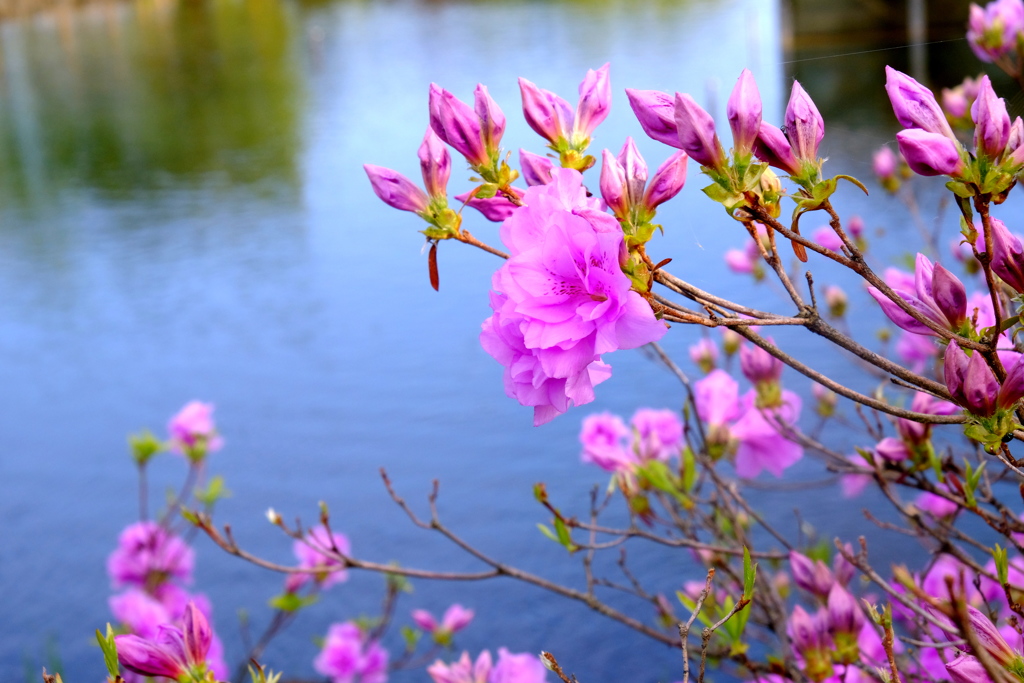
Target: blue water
[(184, 215)]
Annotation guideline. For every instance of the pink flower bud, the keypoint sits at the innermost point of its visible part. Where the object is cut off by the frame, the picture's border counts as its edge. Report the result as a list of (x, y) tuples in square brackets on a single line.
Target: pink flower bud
[(967, 669), (594, 104), (436, 164), (492, 120), (955, 102), (992, 32), (613, 185), (805, 128), (970, 381), (148, 658), (635, 170), (744, 113), (885, 163), (835, 299), (950, 296), (992, 123), (667, 182), (495, 209), (197, 634), (458, 125), (807, 632), (892, 449), (811, 575), (424, 620), (914, 105), (842, 568), (773, 148), (930, 154), (1014, 143), (395, 189), (456, 618), (548, 114), (954, 371), (989, 637), (536, 169), (844, 614), (657, 115), (697, 135), (758, 365), (705, 354), (1013, 386), (1007, 255)]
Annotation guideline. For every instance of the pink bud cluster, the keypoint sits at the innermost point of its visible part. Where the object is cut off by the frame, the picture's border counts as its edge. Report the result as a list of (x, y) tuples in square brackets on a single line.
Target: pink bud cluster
[(624, 185), (614, 447), (510, 668), (349, 656), (193, 432), (318, 552), (556, 121), (995, 30)]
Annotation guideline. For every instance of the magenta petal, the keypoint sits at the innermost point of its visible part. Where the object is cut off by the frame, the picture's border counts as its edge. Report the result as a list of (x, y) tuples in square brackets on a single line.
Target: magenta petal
[(595, 101), (914, 105), (744, 113), (901, 318), (656, 113), (992, 129), (805, 128), (981, 388), (198, 634), (773, 148), (930, 154), (395, 189), (697, 135), (950, 296), (147, 658), (668, 180)]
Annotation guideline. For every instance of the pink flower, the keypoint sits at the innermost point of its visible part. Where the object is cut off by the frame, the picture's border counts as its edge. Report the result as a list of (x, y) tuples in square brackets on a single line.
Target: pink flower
[(454, 620), (140, 612), (326, 571), (604, 443), (462, 671), (853, 484), (192, 430), (992, 32), (705, 354), (562, 300), (553, 118), (936, 505), (148, 554), (763, 444), (348, 657), (658, 434), (916, 350), (827, 237), (936, 295), (517, 668), (172, 652), (495, 209)]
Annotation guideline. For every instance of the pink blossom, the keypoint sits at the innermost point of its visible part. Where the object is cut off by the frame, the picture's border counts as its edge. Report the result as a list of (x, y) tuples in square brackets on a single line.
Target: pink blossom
[(349, 657), (562, 300), (762, 436), (464, 670), (148, 554), (172, 651), (717, 397), (916, 350), (740, 261), (936, 505), (659, 433), (853, 484), (140, 612), (495, 209), (326, 571), (705, 354), (604, 442), (454, 620), (517, 668), (192, 430), (934, 581), (827, 237)]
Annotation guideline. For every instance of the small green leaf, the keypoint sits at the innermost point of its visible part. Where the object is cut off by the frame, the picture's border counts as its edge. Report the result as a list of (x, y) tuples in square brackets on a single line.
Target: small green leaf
[(411, 636), (1002, 563), (749, 574), (291, 602), (486, 191), (851, 179), (547, 532), (109, 648)]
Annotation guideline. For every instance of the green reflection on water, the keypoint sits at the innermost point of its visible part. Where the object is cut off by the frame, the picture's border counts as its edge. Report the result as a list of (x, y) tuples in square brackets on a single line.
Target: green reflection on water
[(152, 95)]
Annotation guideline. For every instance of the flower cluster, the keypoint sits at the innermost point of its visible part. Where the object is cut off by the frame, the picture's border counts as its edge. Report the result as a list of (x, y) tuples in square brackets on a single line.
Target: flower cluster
[(193, 432), (349, 656), (562, 300), (312, 554), (614, 447), (181, 653), (510, 668)]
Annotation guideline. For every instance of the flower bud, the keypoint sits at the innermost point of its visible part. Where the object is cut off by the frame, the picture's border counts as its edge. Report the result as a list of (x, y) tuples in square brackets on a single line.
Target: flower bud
[(892, 449), (667, 182), (992, 32), (811, 575), (805, 128), (835, 299), (950, 296), (594, 104), (773, 148), (705, 354), (731, 341), (967, 669), (826, 400), (697, 135), (1007, 256), (548, 114), (657, 115), (1013, 386), (758, 365), (492, 120), (930, 154), (989, 637), (992, 123), (436, 164), (845, 620), (1015, 144), (744, 113), (613, 185), (970, 381), (536, 169), (635, 171), (495, 209), (914, 105), (842, 568), (885, 163), (459, 126), (395, 189)]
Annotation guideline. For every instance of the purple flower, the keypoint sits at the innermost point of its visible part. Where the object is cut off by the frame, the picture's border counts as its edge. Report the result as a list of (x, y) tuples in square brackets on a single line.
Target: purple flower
[(517, 668), (552, 118), (916, 350), (717, 397), (811, 575), (396, 190), (916, 433), (805, 128), (147, 554), (827, 237), (624, 179), (172, 652), (349, 657), (892, 449), (937, 295), (992, 32), (973, 385), (656, 112), (844, 614), (454, 620), (763, 444), (192, 430), (324, 570), (535, 168), (668, 180), (464, 670), (992, 123), (930, 154), (603, 437), (808, 633), (140, 612), (915, 106), (936, 505), (697, 135), (744, 113), (562, 297), (741, 261), (659, 433)]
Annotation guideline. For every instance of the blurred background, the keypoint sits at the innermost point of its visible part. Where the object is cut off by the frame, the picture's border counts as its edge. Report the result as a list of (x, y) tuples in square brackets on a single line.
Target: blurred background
[(183, 214)]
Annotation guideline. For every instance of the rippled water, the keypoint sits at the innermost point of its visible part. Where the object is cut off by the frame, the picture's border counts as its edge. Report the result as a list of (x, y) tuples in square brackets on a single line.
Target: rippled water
[(183, 215)]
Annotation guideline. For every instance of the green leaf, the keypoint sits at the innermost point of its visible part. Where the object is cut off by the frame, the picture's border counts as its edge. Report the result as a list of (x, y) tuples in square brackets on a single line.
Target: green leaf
[(109, 648), (689, 462), (411, 636), (851, 179), (547, 532), (486, 191), (291, 602), (960, 189), (1002, 563), (749, 574), (214, 491)]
